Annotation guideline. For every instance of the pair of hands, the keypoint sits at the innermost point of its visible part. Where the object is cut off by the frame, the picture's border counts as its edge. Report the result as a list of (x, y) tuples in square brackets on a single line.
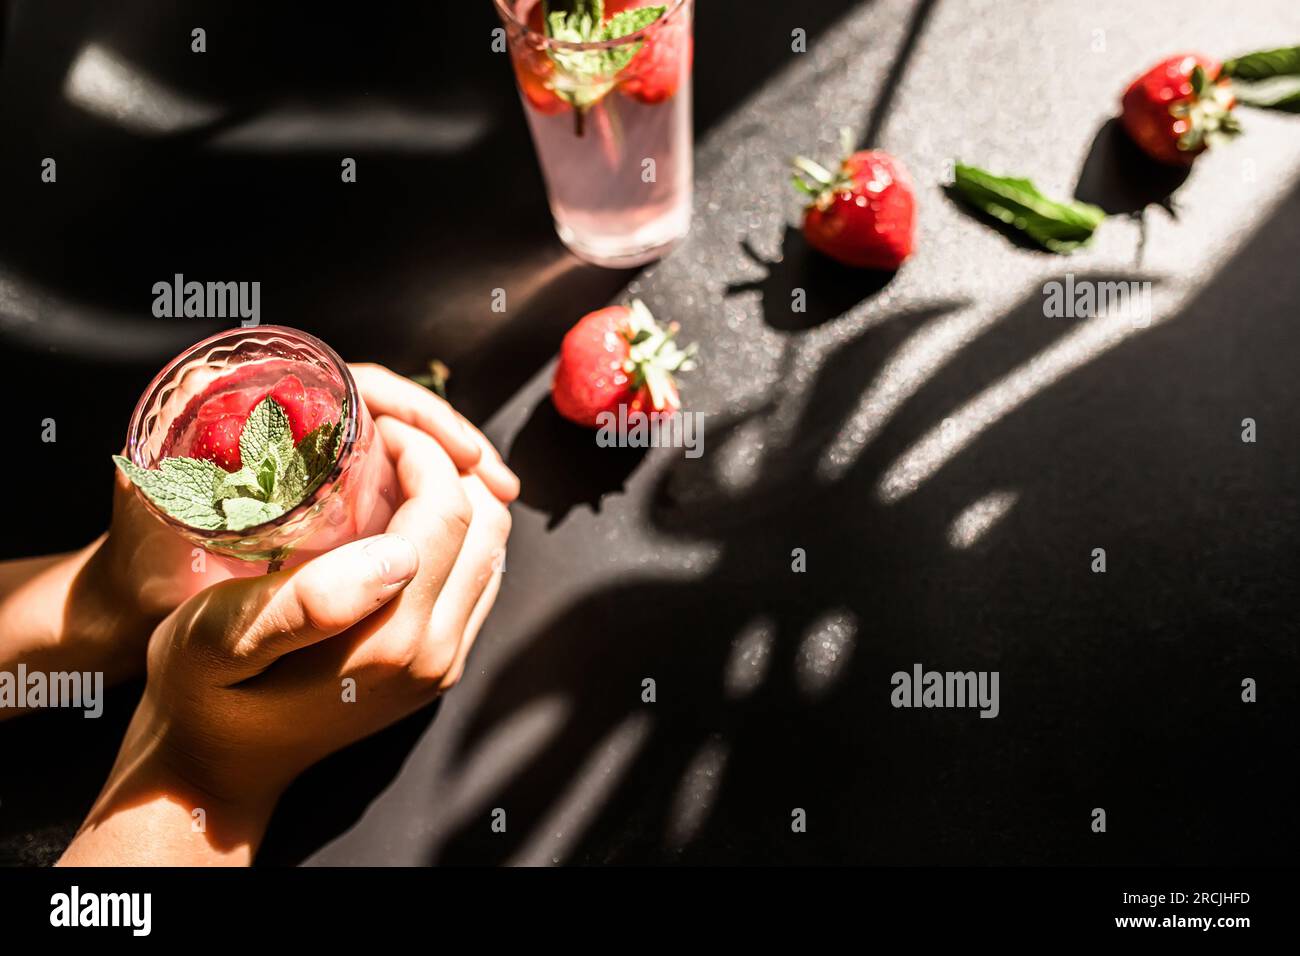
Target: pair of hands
[(252, 680)]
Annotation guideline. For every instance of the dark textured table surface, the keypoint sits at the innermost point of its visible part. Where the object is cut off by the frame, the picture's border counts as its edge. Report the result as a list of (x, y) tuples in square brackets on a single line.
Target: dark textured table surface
[(947, 457)]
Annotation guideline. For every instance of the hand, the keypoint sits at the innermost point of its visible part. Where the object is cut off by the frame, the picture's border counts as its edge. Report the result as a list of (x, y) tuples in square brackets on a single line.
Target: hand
[(387, 393), (151, 569), (250, 681), (94, 609)]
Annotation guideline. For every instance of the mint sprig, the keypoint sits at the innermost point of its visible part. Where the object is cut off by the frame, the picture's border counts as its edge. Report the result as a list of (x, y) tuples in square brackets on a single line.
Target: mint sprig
[(275, 475), (588, 75), (1057, 226)]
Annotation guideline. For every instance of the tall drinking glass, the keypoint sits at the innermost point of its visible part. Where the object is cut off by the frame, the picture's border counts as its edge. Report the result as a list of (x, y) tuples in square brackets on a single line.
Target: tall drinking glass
[(611, 121)]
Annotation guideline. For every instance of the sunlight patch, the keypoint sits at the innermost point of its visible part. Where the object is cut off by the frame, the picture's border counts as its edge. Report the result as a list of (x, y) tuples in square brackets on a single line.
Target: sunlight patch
[(979, 516)]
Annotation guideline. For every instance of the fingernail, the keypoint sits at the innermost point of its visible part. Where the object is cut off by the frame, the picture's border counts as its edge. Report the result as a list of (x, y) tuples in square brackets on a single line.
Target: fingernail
[(508, 470), (394, 557)]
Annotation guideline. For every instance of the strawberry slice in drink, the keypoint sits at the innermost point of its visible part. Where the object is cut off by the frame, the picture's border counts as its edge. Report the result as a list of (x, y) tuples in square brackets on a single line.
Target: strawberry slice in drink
[(220, 419), (534, 70), (306, 408), (238, 401), (218, 441)]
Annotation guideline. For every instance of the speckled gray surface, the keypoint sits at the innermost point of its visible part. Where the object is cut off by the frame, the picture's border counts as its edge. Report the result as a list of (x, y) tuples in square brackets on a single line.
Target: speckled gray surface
[(946, 457)]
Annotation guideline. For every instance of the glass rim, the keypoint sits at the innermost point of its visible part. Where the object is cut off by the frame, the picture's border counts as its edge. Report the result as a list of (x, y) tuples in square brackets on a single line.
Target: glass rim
[(507, 13), (352, 427)]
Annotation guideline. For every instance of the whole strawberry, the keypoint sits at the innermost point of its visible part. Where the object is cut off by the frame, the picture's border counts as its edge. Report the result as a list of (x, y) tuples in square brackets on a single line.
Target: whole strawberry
[(618, 356), (863, 215), (1179, 108)]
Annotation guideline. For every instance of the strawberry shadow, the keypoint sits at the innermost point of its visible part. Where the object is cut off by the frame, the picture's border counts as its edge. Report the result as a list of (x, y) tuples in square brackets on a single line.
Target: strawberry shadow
[(560, 466), (804, 288), (1124, 181), (1121, 179)]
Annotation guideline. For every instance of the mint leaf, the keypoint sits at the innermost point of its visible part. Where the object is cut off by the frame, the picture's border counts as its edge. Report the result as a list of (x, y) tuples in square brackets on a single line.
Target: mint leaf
[(244, 513), (312, 462), (241, 484), (266, 435), (591, 73), (622, 24), (1057, 226), (275, 476), (1265, 64), (630, 21), (185, 488), (319, 450), (579, 23)]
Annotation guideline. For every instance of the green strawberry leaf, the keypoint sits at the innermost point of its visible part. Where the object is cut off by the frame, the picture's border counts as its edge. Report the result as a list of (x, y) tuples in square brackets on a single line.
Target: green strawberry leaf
[(1279, 93), (1265, 64), (185, 488), (1269, 79), (1057, 226), (244, 513)]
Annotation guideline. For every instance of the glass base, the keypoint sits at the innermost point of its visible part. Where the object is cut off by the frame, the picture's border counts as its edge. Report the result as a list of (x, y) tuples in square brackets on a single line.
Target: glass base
[(621, 255)]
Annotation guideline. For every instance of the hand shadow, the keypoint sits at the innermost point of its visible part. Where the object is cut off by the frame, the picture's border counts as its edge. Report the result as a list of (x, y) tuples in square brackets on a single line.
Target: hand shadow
[(804, 288)]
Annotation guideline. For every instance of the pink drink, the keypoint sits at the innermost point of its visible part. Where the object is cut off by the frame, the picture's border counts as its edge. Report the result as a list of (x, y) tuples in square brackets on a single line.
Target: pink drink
[(615, 148), (233, 371)]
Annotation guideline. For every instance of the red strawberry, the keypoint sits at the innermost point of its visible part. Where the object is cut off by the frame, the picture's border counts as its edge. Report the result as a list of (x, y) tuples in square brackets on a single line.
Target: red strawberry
[(218, 441), (535, 73), (318, 407), (221, 418), (865, 214), (1178, 108), (618, 356), (239, 401), (534, 70), (664, 59)]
